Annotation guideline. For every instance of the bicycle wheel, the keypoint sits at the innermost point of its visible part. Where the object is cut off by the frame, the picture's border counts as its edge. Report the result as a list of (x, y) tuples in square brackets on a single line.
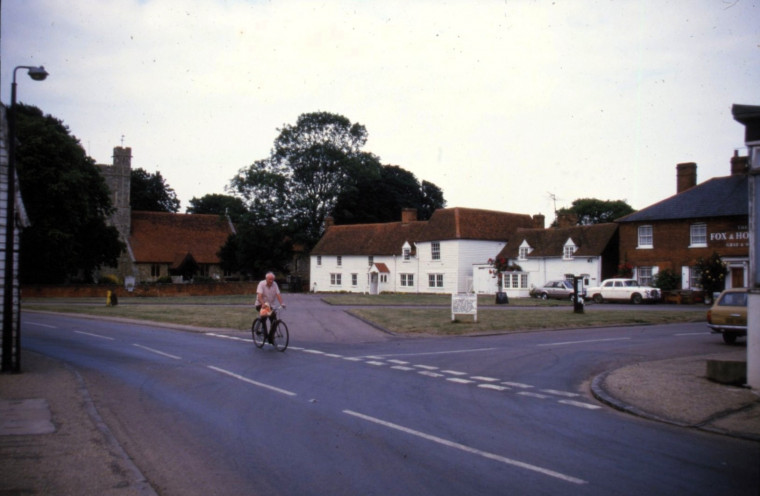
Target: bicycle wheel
[(281, 336), (258, 333)]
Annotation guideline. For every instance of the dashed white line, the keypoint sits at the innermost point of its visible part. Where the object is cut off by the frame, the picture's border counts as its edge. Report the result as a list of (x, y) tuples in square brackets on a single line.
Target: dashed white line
[(402, 367), (484, 379), (533, 395), (398, 362), (560, 393), (517, 385), (468, 449), (108, 338), (459, 380), (251, 381), (495, 387), (40, 325), (375, 362), (175, 357), (426, 367), (584, 341), (580, 404), (453, 372), (429, 373)]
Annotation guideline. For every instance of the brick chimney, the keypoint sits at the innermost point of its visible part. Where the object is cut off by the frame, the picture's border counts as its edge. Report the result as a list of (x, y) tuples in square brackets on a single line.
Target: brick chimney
[(539, 221), (739, 165), (329, 222), (686, 176), (408, 215), (567, 220)]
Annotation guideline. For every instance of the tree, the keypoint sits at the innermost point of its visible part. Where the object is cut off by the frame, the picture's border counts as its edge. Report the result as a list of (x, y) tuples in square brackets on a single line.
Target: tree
[(311, 163), (594, 211), (67, 201), (256, 249), (712, 274), (219, 205), (381, 197), (149, 192)]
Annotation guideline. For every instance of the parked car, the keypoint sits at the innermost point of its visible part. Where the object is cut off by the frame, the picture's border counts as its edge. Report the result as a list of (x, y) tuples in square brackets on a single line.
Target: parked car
[(560, 289), (728, 315), (623, 290)]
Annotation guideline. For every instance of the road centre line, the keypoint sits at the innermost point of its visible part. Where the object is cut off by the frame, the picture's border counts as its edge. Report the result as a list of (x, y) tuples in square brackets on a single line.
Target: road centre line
[(580, 404), (157, 352), (41, 325), (251, 381), (467, 449), (584, 341), (441, 352), (692, 333), (96, 335), (560, 393)]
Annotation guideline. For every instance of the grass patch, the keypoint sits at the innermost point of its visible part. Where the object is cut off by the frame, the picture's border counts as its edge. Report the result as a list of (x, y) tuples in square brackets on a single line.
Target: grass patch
[(438, 321), (396, 299)]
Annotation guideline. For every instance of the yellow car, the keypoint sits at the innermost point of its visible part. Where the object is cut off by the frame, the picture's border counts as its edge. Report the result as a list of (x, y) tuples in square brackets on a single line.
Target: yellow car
[(728, 314)]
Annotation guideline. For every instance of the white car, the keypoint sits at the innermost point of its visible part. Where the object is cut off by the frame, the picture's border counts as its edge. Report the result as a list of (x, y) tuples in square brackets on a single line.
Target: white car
[(623, 290)]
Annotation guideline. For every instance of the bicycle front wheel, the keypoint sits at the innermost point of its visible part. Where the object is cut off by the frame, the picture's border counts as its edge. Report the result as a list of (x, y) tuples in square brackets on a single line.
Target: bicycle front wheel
[(281, 336), (258, 333)]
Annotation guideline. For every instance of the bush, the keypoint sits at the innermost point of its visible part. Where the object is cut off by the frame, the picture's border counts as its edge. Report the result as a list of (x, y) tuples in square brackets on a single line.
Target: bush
[(109, 279), (667, 280)]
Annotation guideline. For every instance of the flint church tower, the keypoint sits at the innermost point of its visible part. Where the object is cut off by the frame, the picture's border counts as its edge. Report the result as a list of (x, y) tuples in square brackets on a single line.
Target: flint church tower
[(118, 177)]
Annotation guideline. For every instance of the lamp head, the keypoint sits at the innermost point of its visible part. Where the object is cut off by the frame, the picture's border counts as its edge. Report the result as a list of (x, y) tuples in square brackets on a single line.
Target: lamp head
[(38, 73)]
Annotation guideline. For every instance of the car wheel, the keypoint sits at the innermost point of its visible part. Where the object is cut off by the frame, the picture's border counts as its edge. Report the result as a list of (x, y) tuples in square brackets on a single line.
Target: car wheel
[(543, 296), (729, 338), (636, 299), (598, 298)]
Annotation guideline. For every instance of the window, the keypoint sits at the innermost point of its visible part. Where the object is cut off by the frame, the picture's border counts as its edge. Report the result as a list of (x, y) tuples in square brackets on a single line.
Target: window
[(645, 276), (435, 280), (155, 271), (335, 279), (524, 250), (435, 250), (370, 260), (407, 254), (515, 280), (645, 237), (698, 235), (354, 279), (340, 260), (407, 280), (319, 259), (383, 278), (568, 252)]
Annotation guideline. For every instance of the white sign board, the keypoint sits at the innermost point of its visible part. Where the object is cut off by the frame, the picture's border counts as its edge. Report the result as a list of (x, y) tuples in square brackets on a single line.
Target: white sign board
[(464, 304)]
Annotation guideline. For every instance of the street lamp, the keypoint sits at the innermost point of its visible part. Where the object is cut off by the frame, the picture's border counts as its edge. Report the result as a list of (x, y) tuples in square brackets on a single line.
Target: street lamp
[(9, 316)]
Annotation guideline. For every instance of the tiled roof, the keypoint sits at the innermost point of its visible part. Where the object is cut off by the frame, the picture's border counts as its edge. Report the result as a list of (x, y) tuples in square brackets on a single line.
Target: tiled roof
[(591, 240), (160, 237), (470, 223), (368, 239), (718, 197), (445, 224)]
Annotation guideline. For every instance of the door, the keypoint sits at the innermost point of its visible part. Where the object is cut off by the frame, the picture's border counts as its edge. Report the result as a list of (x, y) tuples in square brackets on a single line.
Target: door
[(373, 283), (737, 277)]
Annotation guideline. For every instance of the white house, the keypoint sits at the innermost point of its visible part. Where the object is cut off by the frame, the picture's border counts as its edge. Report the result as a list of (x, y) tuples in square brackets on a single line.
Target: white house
[(544, 255), (433, 256)]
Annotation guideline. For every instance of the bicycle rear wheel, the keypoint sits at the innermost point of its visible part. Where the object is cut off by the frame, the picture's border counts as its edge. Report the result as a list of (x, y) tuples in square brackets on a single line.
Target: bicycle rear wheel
[(281, 336), (258, 334)]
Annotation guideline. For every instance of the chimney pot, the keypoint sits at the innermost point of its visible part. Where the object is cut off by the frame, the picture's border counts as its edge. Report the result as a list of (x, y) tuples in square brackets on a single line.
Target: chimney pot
[(686, 176)]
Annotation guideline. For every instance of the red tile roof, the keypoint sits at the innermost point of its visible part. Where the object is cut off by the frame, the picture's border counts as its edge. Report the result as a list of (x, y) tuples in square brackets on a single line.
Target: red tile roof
[(591, 240), (160, 237), (445, 224)]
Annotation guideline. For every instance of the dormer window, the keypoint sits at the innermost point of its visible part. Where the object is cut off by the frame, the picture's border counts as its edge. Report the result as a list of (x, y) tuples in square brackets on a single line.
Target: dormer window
[(524, 250), (406, 252), (569, 250)]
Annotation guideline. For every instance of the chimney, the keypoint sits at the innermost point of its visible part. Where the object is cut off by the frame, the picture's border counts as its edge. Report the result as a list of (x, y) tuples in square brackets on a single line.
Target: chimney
[(686, 176), (408, 215), (739, 165), (539, 221), (567, 220), (329, 222)]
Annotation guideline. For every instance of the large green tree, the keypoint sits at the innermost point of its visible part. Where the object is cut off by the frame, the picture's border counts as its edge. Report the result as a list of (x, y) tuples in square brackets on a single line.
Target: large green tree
[(67, 201), (381, 197), (594, 211), (217, 204), (311, 163), (150, 192)]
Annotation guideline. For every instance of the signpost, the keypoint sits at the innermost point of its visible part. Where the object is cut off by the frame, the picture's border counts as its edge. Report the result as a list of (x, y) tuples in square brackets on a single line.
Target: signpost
[(464, 304)]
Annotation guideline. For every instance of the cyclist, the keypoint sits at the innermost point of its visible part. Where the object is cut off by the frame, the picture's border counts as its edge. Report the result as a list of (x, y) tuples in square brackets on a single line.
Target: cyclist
[(266, 293)]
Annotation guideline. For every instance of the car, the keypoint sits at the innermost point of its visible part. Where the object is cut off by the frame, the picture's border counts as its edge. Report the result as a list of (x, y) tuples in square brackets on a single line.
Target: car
[(728, 315), (560, 289), (621, 289)]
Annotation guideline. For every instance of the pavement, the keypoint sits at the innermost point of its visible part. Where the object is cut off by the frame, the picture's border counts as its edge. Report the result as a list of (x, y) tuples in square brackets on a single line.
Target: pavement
[(53, 441)]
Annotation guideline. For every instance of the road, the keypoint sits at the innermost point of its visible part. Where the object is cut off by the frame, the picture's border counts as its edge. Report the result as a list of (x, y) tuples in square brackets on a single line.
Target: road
[(351, 410)]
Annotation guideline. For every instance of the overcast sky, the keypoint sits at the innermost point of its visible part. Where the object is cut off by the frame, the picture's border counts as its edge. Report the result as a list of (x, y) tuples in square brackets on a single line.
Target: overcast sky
[(502, 104)]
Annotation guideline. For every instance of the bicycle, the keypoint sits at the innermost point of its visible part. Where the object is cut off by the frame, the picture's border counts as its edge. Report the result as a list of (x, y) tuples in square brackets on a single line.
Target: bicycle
[(278, 332)]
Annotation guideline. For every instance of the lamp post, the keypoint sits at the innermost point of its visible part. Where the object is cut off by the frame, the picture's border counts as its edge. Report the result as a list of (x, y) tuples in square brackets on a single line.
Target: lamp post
[(9, 316)]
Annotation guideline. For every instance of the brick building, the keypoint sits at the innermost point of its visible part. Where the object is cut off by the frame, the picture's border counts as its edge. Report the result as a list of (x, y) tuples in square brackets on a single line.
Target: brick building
[(699, 220)]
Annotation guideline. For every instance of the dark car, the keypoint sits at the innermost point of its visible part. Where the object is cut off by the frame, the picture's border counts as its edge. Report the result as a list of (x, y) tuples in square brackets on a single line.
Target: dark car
[(728, 314), (561, 290)]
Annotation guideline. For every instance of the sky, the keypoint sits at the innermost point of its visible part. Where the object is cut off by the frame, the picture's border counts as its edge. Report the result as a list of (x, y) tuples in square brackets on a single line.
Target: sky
[(514, 105)]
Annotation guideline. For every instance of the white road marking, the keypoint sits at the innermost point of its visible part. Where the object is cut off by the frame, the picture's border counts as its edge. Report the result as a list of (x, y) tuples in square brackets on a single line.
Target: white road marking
[(429, 374), (353, 359), (484, 379), (495, 387), (459, 380), (375, 362), (40, 325), (533, 395), (692, 333), (467, 449), (402, 367), (517, 385), (157, 352), (95, 335), (453, 372), (584, 341), (560, 393), (314, 352), (399, 362), (580, 404), (251, 381), (426, 367)]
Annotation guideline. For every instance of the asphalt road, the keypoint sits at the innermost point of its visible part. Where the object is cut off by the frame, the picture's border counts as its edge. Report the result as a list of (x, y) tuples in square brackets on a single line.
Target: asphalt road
[(352, 410)]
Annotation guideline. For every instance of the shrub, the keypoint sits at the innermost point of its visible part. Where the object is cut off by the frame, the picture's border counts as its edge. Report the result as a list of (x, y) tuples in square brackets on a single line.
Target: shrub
[(109, 279), (667, 280)]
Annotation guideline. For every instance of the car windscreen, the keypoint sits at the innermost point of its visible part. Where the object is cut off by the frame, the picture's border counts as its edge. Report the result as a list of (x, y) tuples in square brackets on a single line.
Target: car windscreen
[(733, 300)]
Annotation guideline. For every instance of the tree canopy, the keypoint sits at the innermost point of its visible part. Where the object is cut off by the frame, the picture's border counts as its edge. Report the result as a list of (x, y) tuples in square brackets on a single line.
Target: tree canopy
[(218, 204), (594, 211), (150, 192), (67, 201)]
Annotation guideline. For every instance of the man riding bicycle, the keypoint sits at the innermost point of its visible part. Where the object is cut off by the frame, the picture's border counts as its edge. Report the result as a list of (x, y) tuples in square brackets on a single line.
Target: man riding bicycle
[(267, 293)]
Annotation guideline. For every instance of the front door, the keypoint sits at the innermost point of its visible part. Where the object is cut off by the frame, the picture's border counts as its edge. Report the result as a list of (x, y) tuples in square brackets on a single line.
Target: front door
[(737, 277), (373, 283)]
